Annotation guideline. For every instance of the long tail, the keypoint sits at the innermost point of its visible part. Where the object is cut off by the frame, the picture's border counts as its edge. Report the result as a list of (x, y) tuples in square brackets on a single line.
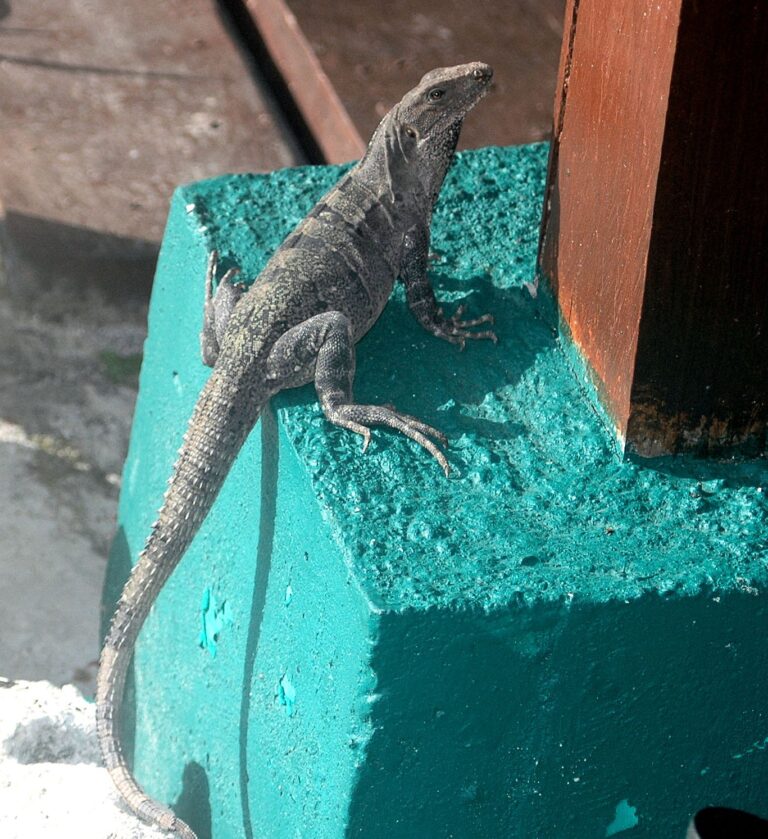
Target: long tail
[(220, 423)]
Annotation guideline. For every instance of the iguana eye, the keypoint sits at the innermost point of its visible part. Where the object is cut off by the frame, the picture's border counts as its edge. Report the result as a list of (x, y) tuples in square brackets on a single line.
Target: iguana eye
[(435, 94), (410, 131)]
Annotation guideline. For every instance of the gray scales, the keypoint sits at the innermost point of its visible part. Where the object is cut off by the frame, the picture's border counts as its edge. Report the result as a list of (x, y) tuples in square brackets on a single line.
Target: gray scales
[(321, 291)]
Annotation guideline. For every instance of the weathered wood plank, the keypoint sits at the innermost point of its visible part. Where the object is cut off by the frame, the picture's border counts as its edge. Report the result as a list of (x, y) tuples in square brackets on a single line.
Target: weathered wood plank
[(107, 108), (372, 52), (317, 100)]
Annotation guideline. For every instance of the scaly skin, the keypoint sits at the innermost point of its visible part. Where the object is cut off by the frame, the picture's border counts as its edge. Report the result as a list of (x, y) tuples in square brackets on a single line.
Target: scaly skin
[(318, 295)]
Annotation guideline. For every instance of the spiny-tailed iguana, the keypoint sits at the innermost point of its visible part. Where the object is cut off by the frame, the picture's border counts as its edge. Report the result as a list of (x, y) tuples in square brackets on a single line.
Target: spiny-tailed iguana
[(318, 295)]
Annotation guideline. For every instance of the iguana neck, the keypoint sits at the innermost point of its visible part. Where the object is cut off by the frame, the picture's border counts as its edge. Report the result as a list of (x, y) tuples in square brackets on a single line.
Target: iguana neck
[(387, 169)]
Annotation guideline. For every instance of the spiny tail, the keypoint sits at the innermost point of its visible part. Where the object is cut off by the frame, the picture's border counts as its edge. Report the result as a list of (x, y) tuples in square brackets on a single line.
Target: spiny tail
[(220, 423)]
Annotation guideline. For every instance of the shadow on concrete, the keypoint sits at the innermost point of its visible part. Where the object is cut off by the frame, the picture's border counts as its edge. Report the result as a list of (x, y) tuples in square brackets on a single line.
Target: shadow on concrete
[(194, 802), (730, 473), (69, 259), (484, 724), (269, 471), (119, 567), (400, 363)]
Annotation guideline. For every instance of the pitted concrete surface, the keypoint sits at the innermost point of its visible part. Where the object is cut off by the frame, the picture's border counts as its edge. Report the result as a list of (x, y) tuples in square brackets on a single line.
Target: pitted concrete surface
[(51, 778), (67, 390)]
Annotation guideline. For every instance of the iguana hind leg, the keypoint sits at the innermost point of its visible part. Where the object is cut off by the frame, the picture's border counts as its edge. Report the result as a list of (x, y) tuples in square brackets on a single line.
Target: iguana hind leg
[(217, 309), (323, 348)]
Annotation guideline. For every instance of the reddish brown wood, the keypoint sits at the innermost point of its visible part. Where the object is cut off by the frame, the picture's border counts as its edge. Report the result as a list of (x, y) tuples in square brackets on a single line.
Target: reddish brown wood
[(656, 224), (314, 95)]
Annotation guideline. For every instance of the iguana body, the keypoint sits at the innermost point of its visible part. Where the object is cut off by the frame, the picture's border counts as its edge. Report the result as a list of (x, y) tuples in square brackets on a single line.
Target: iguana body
[(318, 295)]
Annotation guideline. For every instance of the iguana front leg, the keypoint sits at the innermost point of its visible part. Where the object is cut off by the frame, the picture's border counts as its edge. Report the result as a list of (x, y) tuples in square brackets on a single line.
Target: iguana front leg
[(421, 297), (323, 348)]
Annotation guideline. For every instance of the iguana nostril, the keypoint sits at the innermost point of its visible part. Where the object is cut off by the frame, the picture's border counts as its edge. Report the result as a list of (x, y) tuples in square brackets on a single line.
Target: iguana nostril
[(483, 74)]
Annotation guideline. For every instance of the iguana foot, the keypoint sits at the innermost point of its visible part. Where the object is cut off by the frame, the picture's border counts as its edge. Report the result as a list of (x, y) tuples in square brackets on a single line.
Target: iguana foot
[(322, 347), (456, 331), (358, 418)]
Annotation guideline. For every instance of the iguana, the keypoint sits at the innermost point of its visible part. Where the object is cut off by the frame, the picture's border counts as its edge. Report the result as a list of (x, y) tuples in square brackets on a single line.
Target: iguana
[(320, 292)]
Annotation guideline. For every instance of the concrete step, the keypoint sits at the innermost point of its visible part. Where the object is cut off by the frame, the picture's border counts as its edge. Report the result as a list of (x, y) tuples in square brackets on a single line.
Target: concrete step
[(552, 642)]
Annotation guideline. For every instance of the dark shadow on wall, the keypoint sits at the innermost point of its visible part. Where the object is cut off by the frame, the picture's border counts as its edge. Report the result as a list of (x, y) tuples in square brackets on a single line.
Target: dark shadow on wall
[(119, 567), (553, 720), (194, 802), (269, 472)]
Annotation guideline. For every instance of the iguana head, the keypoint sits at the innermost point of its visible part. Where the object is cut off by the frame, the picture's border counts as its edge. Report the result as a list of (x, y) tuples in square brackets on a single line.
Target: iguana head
[(412, 148), (441, 100)]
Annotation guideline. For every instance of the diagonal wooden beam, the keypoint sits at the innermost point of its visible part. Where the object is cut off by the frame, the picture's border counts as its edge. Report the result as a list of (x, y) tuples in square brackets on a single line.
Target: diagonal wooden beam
[(315, 97)]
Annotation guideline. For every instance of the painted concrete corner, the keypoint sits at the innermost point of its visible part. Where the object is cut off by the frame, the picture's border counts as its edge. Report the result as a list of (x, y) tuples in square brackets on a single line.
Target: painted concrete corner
[(514, 651)]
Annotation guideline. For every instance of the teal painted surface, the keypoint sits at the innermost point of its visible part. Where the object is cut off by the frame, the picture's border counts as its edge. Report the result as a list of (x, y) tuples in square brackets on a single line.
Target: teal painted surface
[(535, 646)]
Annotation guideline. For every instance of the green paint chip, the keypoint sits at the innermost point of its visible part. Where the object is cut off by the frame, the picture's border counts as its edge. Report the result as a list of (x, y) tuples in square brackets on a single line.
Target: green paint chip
[(625, 819), (214, 617)]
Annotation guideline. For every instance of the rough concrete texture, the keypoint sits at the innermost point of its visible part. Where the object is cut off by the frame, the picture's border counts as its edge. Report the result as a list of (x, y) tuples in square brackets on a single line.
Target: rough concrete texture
[(550, 643), (51, 779), (68, 375)]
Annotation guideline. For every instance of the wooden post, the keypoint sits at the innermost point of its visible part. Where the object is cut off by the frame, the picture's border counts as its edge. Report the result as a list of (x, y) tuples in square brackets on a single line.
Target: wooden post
[(655, 234)]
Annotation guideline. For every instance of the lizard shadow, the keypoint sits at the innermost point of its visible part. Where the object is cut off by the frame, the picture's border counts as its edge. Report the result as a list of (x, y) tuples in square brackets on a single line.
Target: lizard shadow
[(469, 393), (269, 474), (524, 329), (398, 362), (194, 802), (451, 384)]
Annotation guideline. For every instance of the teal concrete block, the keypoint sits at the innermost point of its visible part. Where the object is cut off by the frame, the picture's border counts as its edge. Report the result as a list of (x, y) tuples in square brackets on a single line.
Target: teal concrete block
[(552, 642)]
